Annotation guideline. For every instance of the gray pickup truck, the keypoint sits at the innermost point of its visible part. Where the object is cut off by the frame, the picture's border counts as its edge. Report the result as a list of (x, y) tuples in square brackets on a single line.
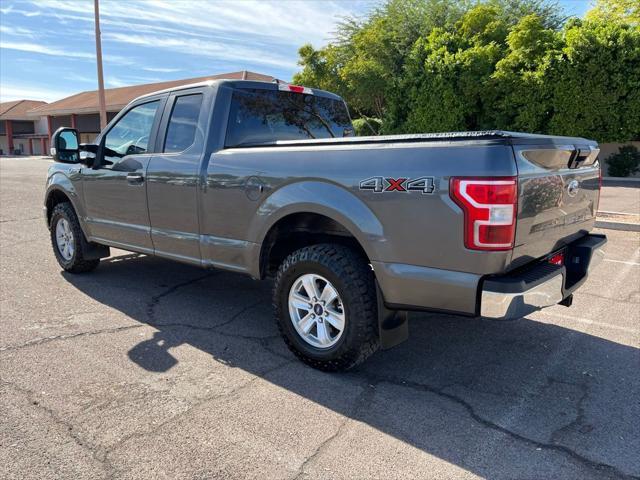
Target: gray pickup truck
[(268, 180)]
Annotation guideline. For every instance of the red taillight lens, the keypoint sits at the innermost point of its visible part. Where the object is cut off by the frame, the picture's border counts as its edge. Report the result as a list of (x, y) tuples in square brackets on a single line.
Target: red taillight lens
[(489, 206), (285, 87), (557, 259)]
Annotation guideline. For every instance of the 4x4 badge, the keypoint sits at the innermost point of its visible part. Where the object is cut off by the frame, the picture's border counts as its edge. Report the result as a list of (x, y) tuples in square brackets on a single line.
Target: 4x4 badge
[(426, 185)]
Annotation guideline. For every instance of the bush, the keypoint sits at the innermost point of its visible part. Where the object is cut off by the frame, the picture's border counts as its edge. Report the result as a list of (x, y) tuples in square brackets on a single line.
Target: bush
[(624, 163), (367, 126), (442, 65)]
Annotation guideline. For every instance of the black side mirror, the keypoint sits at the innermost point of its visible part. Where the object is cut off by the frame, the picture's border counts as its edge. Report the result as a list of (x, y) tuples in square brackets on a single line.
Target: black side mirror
[(65, 145)]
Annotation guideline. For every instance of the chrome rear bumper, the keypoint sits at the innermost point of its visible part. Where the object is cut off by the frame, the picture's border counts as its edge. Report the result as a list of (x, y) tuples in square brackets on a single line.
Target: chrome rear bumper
[(503, 305), (515, 295)]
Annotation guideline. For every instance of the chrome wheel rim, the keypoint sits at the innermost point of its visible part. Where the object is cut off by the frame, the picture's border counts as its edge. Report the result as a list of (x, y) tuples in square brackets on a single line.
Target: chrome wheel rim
[(64, 239), (316, 311)]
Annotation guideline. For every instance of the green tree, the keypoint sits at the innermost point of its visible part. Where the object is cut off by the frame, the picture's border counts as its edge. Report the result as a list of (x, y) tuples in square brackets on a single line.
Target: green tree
[(435, 65), (518, 86), (624, 11), (595, 82), (366, 57)]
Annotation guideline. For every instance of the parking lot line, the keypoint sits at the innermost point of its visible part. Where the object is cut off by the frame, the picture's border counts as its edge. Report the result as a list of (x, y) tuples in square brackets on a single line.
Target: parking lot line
[(636, 264), (589, 322)]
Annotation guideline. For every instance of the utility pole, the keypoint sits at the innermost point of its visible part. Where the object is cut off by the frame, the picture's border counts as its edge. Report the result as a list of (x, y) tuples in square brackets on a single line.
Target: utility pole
[(101, 100)]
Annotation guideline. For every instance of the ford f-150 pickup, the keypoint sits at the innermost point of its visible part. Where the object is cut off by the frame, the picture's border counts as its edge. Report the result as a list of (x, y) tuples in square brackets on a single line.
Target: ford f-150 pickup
[(267, 179)]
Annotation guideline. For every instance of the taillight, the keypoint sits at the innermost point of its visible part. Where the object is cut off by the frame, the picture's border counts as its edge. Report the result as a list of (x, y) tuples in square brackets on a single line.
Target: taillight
[(489, 206)]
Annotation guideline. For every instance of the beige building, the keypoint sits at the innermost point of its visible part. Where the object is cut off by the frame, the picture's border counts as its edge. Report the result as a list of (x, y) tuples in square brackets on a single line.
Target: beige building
[(19, 132), (81, 111)]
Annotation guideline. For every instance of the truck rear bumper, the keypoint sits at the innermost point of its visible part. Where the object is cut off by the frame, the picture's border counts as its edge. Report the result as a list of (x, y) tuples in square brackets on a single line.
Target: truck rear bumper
[(542, 285)]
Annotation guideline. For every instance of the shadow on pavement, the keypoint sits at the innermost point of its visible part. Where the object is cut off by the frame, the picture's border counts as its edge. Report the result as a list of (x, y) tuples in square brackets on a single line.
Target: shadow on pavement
[(510, 400)]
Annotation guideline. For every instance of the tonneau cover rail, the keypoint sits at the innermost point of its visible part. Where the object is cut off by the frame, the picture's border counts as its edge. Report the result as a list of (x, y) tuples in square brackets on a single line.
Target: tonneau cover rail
[(500, 136)]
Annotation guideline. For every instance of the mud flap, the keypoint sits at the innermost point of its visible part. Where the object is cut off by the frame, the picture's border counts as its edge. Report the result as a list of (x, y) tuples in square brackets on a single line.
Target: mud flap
[(94, 251), (393, 325)]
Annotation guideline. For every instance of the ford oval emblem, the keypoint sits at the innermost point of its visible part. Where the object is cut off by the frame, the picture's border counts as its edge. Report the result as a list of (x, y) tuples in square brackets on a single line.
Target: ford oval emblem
[(573, 187)]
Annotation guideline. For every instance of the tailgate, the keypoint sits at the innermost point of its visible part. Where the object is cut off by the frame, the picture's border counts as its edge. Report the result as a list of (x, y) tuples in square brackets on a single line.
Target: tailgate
[(558, 193)]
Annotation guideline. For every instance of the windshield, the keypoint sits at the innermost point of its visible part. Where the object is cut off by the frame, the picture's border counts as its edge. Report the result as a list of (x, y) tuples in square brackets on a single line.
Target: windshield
[(263, 116)]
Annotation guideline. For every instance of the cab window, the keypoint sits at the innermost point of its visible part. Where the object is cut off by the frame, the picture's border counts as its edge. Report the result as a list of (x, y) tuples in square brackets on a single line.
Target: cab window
[(263, 116), (183, 123)]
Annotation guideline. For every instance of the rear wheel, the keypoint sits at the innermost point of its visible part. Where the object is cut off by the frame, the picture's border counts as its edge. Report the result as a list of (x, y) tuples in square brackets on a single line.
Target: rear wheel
[(68, 240), (325, 304)]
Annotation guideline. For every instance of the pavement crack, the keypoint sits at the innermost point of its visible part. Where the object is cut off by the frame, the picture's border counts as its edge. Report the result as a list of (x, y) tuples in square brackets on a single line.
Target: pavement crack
[(580, 415), (121, 442), (67, 336), (599, 467), (12, 220), (362, 401), (67, 426), (155, 300)]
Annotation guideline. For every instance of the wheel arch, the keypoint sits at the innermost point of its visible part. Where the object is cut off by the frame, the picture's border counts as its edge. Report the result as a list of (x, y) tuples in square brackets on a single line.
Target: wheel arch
[(305, 213), (54, 197), (61, 189)]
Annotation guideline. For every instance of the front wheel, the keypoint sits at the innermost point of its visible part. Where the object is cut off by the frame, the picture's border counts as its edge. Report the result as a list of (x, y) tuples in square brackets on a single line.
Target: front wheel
[(68, 241), (325, 304)]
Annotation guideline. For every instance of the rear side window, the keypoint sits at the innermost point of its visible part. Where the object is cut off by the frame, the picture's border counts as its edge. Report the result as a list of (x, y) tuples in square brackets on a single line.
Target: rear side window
[(261, 116), (183, 123)]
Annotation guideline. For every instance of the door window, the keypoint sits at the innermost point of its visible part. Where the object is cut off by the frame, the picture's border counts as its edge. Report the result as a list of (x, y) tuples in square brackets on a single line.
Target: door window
[(183, 123), (130, 136)]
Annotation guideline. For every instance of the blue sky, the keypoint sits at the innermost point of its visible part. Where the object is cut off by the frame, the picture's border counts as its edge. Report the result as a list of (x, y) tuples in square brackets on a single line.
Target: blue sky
[(47, 47)]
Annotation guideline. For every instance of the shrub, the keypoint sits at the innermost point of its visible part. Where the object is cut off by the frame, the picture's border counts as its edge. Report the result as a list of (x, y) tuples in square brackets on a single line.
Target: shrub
[(624, 163), (367, 126)]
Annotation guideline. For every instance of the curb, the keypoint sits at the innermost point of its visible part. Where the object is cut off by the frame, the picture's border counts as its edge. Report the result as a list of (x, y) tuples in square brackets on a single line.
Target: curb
[(626, 227)]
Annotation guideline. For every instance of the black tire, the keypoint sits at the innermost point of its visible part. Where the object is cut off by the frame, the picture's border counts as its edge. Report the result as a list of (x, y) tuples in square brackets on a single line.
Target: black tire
[(352, 277), (76, 263)]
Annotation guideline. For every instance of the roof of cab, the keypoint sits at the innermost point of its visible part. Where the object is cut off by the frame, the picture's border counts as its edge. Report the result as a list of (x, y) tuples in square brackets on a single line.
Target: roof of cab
[(240, 84)]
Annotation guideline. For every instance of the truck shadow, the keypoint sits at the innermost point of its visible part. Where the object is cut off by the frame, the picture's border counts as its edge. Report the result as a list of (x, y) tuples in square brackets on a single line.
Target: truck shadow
[(553, 402)]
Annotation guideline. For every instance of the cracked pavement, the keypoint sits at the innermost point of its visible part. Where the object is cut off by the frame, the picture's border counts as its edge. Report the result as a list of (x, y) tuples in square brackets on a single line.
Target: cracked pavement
[(152, 369)]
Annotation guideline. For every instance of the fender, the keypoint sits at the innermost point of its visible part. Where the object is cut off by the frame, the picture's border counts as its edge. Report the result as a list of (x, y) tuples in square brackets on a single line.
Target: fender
[(59, 181), (322, 198)]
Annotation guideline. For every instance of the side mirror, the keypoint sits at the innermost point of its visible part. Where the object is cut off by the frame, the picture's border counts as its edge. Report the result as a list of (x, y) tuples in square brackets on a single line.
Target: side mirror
[(65, 147)]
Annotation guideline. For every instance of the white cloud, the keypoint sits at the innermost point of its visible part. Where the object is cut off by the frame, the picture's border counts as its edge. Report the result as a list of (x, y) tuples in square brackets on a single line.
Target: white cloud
[(60, 52), (26, 13), (193, 46), (161, 69), (115, 82), (17, 31), (44, 50), (158, 38), (10, 92), (291, 22), (77, 77)]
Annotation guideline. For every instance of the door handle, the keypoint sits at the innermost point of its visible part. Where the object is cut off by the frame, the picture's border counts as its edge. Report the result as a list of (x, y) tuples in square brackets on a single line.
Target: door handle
[(135, 178)]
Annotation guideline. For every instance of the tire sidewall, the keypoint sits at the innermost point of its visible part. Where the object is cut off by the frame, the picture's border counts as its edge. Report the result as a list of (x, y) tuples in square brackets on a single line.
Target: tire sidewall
[(289, 276), (59, 214)]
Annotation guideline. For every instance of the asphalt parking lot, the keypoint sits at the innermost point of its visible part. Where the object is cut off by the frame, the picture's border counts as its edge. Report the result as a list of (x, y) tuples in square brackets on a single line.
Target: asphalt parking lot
[(151, 369)]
